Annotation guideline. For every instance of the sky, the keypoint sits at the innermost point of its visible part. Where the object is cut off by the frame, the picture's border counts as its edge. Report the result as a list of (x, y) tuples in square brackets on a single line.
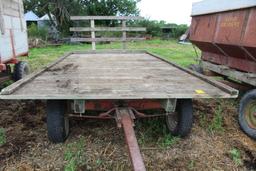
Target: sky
[(171, 11)]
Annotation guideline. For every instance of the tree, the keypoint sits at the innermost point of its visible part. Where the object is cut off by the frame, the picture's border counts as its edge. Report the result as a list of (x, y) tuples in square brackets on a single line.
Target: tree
[(110, 7), (62, 9)]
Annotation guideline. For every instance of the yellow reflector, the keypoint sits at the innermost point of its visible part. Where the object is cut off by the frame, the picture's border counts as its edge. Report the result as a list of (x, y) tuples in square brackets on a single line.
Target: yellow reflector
[(200, 92)]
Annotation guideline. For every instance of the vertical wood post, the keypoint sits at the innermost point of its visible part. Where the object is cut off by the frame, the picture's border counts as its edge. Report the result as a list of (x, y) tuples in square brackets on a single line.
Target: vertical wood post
[(124, 34), (93, 35), (2, 29)]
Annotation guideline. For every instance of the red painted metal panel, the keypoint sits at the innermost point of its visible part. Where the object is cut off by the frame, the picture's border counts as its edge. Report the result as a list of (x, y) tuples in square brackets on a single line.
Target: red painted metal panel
[(214, 58), (230, 27), (227, 38), (238, 63), (103, 105), (250, 32), (203, 28)]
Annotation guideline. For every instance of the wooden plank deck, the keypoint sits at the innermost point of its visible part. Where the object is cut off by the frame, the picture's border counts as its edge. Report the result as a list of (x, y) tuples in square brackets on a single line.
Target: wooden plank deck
[(112, 75)]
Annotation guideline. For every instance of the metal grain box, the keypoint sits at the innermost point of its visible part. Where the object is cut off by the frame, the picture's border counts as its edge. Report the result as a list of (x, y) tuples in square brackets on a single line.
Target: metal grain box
[(225, 31), (13, 31)]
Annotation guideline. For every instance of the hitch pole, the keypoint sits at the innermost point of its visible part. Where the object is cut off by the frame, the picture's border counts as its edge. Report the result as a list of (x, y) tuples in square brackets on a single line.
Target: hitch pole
[(133, 147)]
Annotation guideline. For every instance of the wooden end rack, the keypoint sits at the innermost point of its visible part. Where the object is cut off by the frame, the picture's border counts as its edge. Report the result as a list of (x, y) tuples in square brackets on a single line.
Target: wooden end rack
[(124, 29)]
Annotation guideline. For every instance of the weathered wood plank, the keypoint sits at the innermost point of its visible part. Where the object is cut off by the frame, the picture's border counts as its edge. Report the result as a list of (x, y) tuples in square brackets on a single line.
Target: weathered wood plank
[(106, 18), (10, 89), (113, 29), (215, 83), (112, 39), (93, 35), (224, 70), (110, 51), (124, 37), (109, 75)]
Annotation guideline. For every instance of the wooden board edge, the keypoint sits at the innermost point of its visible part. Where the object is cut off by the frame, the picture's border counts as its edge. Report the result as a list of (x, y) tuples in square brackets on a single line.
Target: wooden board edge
[(238, 75), (233, 92), (15, 86), (74, 97), (114, 51), (106, 18), (107, 39), (103, 29)]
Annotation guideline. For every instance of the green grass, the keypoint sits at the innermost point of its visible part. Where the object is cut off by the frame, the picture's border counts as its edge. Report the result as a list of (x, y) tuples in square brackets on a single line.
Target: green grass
[(203, 122), (2, 137), (191, 165), (5, 84), (217, 124), (236, 156), (155, 131), (74, 155), (170, 50)]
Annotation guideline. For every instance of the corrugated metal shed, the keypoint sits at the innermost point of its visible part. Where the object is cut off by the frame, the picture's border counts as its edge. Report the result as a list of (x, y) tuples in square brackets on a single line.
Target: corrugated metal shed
[(46, 17), (31, 16)]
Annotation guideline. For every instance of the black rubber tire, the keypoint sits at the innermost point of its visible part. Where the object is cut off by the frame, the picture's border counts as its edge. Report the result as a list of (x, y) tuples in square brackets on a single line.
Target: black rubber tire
[(21, 69), (197, 68), (57, 121), (184, 118), (246, 99)]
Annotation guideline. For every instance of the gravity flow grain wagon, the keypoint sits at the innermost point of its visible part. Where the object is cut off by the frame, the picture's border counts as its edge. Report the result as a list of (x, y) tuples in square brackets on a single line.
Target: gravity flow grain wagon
[(13, 40), (225, 32)]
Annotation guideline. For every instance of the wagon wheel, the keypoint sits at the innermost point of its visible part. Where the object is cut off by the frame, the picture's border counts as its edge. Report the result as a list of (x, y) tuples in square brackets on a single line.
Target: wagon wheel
[(21, 69), (57, 121), (247, 113), (180, 122), (8, 70)]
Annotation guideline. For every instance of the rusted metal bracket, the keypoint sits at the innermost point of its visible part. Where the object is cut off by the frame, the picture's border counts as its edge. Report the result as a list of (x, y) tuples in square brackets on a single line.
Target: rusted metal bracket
[(124, 118)]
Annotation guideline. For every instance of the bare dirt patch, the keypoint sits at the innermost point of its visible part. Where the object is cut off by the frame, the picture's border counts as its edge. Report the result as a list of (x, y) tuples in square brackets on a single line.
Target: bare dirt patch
[(19, 120)]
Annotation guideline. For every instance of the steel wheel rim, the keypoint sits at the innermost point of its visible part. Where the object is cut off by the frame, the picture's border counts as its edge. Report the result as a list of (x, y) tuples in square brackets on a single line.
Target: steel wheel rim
[(172, 121), (26, 72), (250, 114)]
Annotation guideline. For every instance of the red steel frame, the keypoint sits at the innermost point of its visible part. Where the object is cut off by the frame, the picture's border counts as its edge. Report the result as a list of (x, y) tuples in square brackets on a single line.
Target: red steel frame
[(104, 105), (14, 60), (124, 117)]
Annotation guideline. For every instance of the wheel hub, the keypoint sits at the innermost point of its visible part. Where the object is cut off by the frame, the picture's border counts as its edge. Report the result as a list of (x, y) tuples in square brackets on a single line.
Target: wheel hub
[(172, 121), (250, 114)]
